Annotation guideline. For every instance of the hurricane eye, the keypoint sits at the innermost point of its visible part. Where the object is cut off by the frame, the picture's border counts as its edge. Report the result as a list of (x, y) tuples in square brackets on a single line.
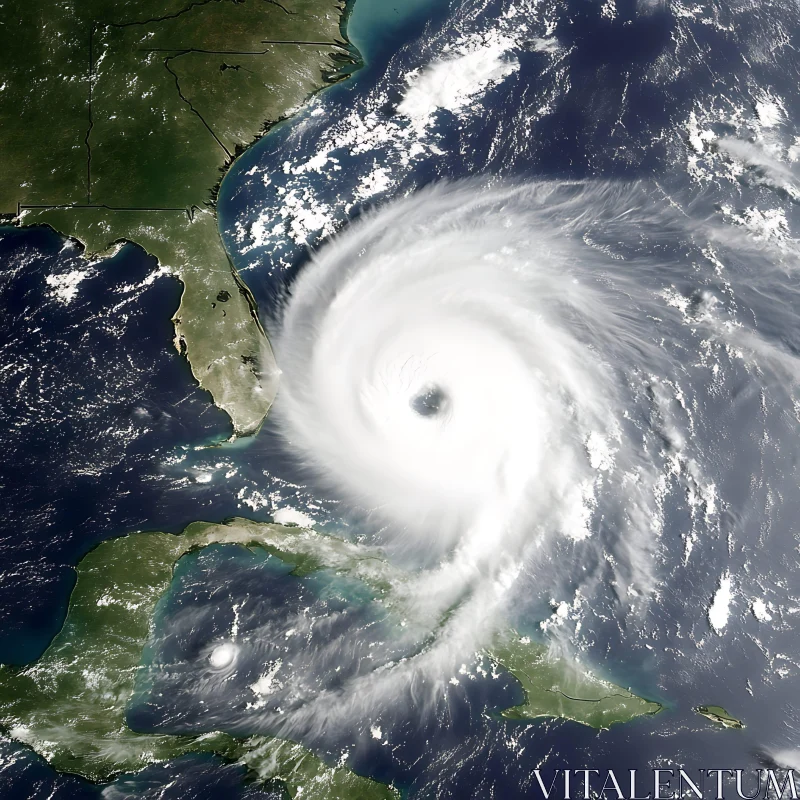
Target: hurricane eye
[(223, 655), (430, 402)]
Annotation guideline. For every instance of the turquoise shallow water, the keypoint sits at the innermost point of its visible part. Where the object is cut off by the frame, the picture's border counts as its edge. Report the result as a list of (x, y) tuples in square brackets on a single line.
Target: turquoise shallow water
[(377, 29), (587, 132), (375, 25), (592, 98)]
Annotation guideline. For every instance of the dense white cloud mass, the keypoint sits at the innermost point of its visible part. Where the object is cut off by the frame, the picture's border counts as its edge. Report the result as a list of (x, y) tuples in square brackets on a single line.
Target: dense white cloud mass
[(461, 365)]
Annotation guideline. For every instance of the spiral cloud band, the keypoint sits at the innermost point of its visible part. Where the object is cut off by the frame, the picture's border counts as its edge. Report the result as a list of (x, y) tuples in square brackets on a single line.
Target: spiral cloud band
[(450, 364)]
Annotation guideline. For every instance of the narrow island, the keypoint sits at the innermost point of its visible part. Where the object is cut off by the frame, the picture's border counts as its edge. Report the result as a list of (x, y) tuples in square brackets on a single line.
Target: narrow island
[(720, 716), (558, 689), (70, 705), (117, 123)]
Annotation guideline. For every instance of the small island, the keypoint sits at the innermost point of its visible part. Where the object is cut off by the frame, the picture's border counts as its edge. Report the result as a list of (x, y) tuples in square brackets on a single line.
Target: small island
[(117, 123), (719, 715)]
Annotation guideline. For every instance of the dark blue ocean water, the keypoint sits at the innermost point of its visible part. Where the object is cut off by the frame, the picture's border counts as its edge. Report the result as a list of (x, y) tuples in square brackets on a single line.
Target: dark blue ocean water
[(92, 398), (104, 431)]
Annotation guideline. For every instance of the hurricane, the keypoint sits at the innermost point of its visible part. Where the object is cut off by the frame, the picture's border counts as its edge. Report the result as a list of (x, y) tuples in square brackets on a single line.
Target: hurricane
[(477, 367)]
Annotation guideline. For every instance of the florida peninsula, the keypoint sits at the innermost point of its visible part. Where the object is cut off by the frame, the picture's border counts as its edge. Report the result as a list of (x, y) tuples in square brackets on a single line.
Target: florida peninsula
[(118, 120)]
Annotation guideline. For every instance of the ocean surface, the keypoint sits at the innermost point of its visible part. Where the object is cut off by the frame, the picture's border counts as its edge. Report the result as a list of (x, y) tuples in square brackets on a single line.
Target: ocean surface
[(104, 431)]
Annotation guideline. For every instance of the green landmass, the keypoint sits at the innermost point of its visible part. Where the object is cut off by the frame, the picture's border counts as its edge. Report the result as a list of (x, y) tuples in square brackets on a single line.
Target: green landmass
[(117, 121), (557, 688), (69, 706), (719, 715)]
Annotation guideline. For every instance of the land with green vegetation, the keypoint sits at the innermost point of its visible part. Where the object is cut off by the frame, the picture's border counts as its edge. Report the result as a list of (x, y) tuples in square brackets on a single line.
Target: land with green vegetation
[(117, 122), (559, 689), (719, 715), (70, 705)]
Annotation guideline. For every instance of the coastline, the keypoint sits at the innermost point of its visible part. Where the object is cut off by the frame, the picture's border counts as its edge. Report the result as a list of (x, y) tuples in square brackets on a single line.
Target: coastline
[(217, 325)]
